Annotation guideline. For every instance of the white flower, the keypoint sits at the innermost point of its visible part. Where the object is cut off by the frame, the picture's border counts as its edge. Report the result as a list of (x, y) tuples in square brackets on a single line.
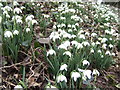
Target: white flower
[(27, 30), (67, 53), (15, 3), (16, 32), (34, 22), (62, 18), (75, 43), (93, 44), (108, 53), (82, 36), (61, 78), (104, 46), (99, 51), (98, 43), (92, 51), (79, 46), (75, 76), (64, 45), (93, 34), (54, 35), (8, 34), (29, 18), (18, 87), (87, 33), (85, 62), (19, 21), (85, 43), (7, 8), (17, 10), (0, 19), (113, 54), (95, 72), (63, 67), (104, 40), (111, 46), (50, 86), (51, 52), (86, 74)]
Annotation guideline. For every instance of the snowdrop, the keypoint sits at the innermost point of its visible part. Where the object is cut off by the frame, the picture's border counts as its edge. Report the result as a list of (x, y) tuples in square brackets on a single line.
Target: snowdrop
[(95, 72), (62, 18), (108, 53), (8, 34), (34, 22), (85, 43), (7, 8), (85, 62), (104, 46), (16, 32), (67, 53), (92, 51), (27, 30), (82, 36), (99, 51), (51, 86), (75, 75), (79, 46), (17, 10), (110, 45), (97, 43), (63, 67), (74, 43), (51, 52), (93, 43), (61, 78), (104, 40), (18, 87), (54, 35), (15, 3), (93, 34), (29, 18)]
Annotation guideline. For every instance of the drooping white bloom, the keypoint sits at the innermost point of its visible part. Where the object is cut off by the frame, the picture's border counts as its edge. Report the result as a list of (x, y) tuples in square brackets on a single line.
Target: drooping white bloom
[(0, 19), (75, 76), (104, 46), (17, 10), (98, 43), (86, 74), (15, 3), (34, 22), (104, 40), (61, 78), (93, 34), (99, 51), (85, 43), (51, 52), (67, 53), (54, 35), (92, 50), (7, 8), (79, 46), (113, 54), (108, 53), (111, 46), (16, 32), (29, 18), (62, 18), (18, 87), (74, 43), (85, 62), (63, 67), (95, 72), (51, 86), (27, 30), (82, 36), (87, 33), (8, 34)]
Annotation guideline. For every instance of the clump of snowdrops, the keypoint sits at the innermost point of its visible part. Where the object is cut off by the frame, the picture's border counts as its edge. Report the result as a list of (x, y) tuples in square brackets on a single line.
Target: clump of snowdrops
[(17, 28), (84, 36)]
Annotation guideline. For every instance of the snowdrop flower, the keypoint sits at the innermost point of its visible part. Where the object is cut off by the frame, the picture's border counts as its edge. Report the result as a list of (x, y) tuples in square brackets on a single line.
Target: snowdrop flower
[(98, 43), (18, 87), (82, 36), (22, 7), (46, 16), (8, 34), (104, 46), (95, 72), (15, 3), (29, 18), (113, 54), (79, 46), (61, 78), (69, 25), (70, 30), (51, 52), (104, 40), (19, 21), (67, 53), (99, 51), (6, 8), (111, 46), (93, 43), (92, 50), (17, 10), (93, 34), (85, 43), (63, 67), (16, 32), (34, 22), (85, 62), (27, 30), (0, 19), (74, 43), (86, 74), (87, 33), (108, 53), (75, 75), (50, 86), (62, 18), (54, 35)]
